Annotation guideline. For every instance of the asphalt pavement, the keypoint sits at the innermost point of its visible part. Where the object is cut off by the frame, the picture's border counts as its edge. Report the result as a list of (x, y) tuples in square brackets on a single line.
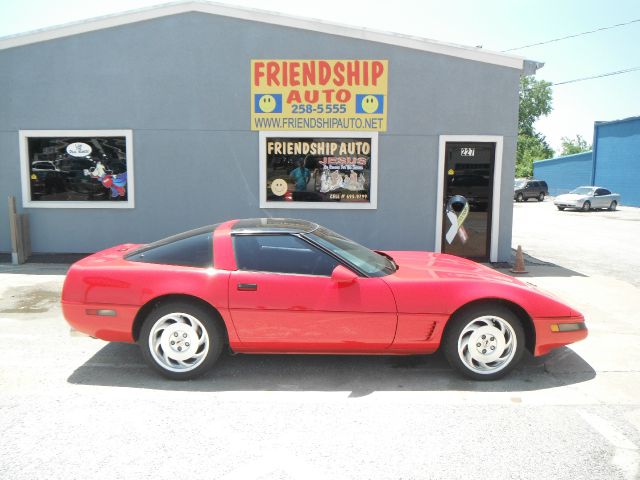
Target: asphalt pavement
[(77, 408)]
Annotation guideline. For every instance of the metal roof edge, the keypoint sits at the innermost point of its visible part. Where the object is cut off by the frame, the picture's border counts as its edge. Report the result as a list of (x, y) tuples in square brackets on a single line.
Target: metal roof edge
[(562, 157), (599, 123), (263, 16)]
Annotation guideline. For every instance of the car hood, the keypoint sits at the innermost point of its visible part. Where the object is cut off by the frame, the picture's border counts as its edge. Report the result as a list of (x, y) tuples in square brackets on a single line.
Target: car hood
[(570, 197), (435, 283), (421, 266)]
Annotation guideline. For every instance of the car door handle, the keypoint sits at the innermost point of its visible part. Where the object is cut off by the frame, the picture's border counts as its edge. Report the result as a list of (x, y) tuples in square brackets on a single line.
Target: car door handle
[(248, 287)]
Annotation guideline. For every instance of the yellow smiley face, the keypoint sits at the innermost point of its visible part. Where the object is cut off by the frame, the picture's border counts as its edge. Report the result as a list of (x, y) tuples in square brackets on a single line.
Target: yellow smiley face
[(267, 103), (279, 187), (370, 104)]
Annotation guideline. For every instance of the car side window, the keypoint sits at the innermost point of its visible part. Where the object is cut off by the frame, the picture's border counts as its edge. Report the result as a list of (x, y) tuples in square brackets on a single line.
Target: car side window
[(193, 251), (603, 191), (281, 254)]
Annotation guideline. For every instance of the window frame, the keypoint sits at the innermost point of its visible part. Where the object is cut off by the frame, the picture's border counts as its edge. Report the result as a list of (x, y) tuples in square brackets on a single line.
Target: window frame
[(27, 202)]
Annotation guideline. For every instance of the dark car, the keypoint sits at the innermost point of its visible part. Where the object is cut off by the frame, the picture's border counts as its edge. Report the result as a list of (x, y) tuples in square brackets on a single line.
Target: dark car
[(524, 189)]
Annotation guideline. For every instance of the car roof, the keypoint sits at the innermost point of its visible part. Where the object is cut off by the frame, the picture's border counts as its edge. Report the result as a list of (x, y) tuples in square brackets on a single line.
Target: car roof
[(272, 225)]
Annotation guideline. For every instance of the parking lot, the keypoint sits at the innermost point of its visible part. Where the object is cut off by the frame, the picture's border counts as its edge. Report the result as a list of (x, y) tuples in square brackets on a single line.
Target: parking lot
[(598, 242), (74, 407)]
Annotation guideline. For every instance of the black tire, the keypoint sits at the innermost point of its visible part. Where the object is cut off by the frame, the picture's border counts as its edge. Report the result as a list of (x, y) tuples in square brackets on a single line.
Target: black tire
[(561, 208), (467, 329), (586, 206), (520, 198), (203, 339), (541, 197), (613, 205)]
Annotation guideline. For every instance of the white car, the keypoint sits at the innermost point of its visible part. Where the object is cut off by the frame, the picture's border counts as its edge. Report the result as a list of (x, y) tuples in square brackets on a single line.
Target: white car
[(587, 198)]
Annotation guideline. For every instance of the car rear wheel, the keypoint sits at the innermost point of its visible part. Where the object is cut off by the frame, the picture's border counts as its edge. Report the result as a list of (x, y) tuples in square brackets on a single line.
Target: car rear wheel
[(586, 206), (541, 197), (520, 198), (484, 343), (561, 208), (181, 340), (613, 205)]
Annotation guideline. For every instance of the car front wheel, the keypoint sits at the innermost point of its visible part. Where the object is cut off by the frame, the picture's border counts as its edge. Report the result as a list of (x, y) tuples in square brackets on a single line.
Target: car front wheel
[(484, 343), (520, 198), (586, 206), (560, 208), (181, 340), (613, 205)]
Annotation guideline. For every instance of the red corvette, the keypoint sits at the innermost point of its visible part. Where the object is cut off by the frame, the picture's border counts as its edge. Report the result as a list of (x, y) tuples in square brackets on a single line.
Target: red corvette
[(291, 286)]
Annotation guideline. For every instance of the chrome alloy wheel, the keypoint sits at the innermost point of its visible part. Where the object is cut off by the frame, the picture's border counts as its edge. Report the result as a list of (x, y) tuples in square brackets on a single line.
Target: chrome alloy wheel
[(487, 344), (178, 342)]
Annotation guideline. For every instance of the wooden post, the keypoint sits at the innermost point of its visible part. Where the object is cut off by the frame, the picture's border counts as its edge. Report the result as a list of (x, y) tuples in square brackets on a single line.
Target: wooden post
[(19, 226)]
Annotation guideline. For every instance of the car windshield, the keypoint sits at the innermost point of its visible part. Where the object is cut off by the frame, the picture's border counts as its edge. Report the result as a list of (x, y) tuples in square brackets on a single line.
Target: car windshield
[(365, 260), (582, 191), (519, 183)]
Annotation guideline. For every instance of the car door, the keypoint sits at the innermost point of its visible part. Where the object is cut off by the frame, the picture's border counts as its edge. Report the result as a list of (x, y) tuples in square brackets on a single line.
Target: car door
[(602, 198), (283, 298)]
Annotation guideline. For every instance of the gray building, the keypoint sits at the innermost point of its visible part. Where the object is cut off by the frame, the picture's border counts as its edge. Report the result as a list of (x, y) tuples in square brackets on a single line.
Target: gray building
[(132, 127)]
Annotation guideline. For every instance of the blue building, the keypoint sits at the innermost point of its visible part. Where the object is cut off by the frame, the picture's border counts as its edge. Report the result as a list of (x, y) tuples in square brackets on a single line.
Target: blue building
[(614, 163), (563, 174)]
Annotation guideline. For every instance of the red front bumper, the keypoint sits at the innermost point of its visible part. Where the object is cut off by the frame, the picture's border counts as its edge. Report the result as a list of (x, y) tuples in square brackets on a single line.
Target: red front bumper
[(547, 339)]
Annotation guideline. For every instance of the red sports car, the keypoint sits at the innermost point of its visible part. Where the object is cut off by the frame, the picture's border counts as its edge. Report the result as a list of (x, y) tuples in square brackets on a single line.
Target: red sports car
[(274, 285)]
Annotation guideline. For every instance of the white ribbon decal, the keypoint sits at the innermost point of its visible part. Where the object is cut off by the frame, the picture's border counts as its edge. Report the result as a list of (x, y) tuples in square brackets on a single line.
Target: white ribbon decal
[(457, 220)]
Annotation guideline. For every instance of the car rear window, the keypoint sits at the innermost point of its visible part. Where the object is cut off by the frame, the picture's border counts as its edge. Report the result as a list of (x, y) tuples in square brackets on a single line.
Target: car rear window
[(189, 249)]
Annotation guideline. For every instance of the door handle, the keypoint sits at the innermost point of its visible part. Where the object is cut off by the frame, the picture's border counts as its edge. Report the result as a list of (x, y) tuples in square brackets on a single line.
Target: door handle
[(248, 287)]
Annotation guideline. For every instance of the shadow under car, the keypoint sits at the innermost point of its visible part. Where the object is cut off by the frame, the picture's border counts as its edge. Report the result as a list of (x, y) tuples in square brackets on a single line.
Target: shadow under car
[(122, 365)]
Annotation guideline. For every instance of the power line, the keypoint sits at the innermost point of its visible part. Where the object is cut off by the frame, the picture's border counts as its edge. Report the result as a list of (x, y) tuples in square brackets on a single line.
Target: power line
[(574, 35), (627, 70)]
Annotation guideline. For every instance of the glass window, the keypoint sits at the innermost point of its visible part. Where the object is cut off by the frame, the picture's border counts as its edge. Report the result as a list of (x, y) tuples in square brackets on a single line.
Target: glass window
[(362, 258), (281, 254), (195, 250), (67, 168), (582, 191)]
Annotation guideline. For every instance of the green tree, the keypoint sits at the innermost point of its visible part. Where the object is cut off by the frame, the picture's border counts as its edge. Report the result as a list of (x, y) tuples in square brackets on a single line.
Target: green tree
[(535, 102), (530, 148), (572, 146)]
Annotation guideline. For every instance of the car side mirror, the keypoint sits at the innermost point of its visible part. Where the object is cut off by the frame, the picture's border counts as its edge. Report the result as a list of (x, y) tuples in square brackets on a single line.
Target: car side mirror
[(343, 275)]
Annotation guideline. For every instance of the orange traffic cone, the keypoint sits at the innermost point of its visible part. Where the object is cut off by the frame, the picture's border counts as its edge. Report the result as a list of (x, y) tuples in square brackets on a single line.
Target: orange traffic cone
[(518, 266)]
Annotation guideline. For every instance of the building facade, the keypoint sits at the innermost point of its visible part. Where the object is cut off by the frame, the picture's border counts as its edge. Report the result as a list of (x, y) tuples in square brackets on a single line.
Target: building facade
[(133, 127)]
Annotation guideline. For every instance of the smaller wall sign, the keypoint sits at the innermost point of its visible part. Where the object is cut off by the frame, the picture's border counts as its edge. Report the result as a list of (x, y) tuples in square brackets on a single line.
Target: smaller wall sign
[(331, 170)]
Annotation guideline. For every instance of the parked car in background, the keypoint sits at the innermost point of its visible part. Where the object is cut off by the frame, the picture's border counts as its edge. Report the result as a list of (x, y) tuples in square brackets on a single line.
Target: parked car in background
[(588, 198), (46, 179), (524, 189)]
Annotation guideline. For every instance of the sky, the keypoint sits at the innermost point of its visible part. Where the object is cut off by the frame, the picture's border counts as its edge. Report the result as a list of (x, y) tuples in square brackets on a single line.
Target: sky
[(495, 24)]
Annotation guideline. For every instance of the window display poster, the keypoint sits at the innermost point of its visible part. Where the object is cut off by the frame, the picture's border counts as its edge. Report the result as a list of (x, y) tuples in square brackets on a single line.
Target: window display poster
[(77, 169), (319, 95), (332, 172)]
